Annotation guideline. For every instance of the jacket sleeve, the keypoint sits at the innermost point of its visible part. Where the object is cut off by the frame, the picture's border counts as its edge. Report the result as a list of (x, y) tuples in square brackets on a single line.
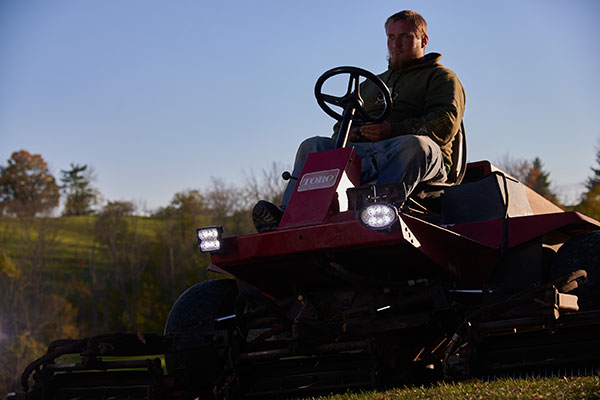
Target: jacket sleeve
[(443, 110)]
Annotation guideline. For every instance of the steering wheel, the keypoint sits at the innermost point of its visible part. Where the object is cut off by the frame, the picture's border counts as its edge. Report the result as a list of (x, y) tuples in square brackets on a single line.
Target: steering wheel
[(352, 98)]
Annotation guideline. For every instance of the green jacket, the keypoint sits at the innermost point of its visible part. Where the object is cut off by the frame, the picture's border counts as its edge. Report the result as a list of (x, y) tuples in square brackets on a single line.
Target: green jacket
[(428, 99)]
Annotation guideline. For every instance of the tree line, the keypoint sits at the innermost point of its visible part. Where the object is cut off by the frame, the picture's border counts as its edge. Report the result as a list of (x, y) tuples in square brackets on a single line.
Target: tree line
[(99, 267), (532, 174), (102, 268)]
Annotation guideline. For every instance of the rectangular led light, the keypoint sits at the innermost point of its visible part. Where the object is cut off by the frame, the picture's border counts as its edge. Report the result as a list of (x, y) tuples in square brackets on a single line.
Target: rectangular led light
[(209, 239)]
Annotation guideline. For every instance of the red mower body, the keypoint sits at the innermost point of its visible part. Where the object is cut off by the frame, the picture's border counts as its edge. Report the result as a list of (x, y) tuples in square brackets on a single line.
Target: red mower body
[(465, 253)]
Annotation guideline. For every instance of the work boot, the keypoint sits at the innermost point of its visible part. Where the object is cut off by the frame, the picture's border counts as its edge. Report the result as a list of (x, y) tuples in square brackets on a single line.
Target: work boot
[(266, 216)]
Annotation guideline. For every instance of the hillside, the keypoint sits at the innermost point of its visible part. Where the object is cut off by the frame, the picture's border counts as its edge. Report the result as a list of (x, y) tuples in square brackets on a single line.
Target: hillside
[(80, 276)]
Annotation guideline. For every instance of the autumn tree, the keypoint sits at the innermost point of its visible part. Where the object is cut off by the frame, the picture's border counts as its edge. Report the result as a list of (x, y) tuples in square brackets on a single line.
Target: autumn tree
[(34, 310), (26, 186), (79, 194)]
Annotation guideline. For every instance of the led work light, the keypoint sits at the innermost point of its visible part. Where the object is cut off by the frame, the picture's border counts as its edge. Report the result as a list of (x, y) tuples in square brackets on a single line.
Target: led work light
[(209, 239), (379, 216)]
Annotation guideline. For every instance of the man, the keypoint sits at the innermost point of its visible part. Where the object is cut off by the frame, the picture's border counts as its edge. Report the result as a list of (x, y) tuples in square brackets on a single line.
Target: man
[(414, 144)]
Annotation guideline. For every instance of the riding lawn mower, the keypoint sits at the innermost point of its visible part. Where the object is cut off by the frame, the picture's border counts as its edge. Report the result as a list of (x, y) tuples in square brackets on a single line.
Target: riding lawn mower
[(357, 287)]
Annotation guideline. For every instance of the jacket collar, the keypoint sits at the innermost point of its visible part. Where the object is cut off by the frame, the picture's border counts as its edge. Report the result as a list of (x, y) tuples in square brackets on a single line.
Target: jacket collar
[(426, 60)]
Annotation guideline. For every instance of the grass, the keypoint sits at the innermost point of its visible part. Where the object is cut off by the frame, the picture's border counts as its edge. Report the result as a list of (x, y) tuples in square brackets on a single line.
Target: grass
[(74, 238), (545, 388)]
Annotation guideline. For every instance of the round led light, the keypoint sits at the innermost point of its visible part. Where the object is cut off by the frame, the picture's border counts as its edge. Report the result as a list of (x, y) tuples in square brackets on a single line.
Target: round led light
[(379, 216)]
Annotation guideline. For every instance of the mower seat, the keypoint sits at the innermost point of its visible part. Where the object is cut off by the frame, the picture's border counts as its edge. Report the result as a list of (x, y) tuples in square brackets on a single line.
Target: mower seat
[(359, 196), (457, 171)]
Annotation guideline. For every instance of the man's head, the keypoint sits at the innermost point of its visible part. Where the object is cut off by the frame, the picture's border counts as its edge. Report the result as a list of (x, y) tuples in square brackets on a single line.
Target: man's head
[(406, 37)]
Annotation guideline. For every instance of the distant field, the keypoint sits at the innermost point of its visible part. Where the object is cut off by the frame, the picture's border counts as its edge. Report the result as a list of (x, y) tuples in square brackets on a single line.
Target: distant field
[(546, 388), (73, 237)]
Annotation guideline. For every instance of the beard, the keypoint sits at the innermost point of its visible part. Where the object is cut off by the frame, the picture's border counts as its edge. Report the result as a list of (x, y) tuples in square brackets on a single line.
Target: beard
[(395, 63), (401, 62)]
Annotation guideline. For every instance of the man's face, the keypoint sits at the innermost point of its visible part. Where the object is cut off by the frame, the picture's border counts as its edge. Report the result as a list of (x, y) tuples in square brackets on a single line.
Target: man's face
[(404, 44)]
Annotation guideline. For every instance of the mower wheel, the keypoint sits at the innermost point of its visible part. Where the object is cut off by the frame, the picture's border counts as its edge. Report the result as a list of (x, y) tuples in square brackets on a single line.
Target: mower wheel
[(581, 252), (191, 318), (204, 301)]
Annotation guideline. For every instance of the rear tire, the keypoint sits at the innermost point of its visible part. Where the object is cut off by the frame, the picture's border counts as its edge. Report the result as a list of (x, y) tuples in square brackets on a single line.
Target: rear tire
[(581, 252)]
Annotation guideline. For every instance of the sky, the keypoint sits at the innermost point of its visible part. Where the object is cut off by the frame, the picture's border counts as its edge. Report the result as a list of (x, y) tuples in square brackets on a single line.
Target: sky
[(163, 96)]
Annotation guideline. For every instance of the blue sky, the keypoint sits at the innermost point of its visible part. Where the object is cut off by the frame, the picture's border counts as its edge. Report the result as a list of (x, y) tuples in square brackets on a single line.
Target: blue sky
[(160, 96)]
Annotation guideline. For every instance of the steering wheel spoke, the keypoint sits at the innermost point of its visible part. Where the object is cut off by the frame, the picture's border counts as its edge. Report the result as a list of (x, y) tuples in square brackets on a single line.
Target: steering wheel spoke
[(333, 100), (353, 85)]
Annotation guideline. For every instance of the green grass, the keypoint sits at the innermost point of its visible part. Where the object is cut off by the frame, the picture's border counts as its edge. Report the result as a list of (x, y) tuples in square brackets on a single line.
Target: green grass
[(545, 388), (74, 238)]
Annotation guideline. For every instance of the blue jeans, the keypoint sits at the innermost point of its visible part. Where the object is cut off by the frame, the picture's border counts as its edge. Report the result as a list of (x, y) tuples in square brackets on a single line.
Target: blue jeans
[(408, 159)]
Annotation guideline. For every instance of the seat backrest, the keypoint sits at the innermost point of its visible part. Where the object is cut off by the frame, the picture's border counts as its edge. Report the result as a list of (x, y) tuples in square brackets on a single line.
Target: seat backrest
[(459, 157), (457, 171)]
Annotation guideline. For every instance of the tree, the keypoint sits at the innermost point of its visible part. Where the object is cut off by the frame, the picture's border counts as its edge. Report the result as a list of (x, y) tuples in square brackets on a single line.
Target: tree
[(518, 168), (129, 251), (594, 180), (34, 311), (177, 254), (189, 202), (114, 209), (590, 202), (223, 200), (26, 186), (7, 267), (538, 180), (79, 194), (270, 186), (531, 174)]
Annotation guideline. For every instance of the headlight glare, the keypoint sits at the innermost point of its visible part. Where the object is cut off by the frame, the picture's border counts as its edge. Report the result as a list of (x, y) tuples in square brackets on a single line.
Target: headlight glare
[(379, 216), (209, 239)]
